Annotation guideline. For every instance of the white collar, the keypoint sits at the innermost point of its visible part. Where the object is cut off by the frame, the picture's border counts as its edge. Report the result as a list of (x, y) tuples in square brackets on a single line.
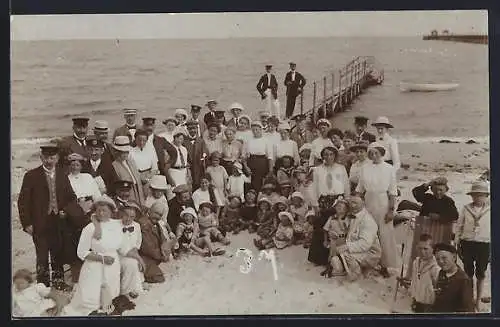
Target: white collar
[(79, 139), (49, 171), (95, 161)]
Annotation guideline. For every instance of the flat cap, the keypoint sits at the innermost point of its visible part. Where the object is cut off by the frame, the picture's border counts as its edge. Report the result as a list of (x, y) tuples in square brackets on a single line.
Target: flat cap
[(195, 107), (101, 125), (129, 111), (444, 247), (49, 150), (148, 120), (81, 121), (121, 184)]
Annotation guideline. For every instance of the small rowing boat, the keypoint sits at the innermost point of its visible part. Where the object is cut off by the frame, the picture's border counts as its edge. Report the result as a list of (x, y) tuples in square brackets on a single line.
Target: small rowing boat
[(427, 87)]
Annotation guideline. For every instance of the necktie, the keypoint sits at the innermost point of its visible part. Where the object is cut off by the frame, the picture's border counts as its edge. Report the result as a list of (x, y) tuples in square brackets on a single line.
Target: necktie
[(128, 229), (181, 156), (329, 181)]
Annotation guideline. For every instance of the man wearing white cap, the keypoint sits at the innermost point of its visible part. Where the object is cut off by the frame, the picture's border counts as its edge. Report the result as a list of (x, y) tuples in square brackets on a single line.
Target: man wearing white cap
[(101, 132), (130, 127), (236, 110), (382, 124), (268, 90)]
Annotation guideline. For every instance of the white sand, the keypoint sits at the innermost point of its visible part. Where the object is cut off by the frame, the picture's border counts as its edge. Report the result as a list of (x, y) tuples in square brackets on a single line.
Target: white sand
[(210, 286)]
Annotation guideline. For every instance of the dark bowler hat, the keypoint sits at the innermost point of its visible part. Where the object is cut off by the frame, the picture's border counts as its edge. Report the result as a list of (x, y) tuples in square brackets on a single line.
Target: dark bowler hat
[(269, 66), (123, 185), (49, 150), (360, 120), (80, 121), (95, 143), (148, 120), (444, 247), (195, 107), (299, 117), (191, 122)]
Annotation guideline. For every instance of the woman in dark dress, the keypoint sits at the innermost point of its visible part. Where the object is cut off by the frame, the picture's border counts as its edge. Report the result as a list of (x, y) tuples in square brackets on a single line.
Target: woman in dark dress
[(318, 254)]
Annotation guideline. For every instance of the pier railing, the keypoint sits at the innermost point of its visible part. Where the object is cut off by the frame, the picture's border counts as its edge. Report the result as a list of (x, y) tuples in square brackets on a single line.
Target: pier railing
[(336, 91)]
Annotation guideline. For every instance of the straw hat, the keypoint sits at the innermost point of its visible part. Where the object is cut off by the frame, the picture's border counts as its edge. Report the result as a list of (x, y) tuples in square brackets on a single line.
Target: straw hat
[(106, 200), (324, 121), (382, 121), (101, 126), (244, 117), (129, 111), (377, 146), (158, 182), (206, 204), (122, 143), (170, 119), (479, 188), (181, 111), (285, 214), (75, 157), (236, 105), (189, 211)]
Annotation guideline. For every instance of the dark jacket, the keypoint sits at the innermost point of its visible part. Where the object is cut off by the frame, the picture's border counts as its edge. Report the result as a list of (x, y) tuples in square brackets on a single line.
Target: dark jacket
[(293, 86), (454, 294), (33, 201), (264, 84), (68, 145), (174, 211), (152, 240), (105, 170), (444, 207), (301, 138), (197, 151), (365, 136), (123, 131)]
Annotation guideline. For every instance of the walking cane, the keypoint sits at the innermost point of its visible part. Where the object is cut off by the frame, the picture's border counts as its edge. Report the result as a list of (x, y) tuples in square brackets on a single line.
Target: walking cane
[(398, 281)]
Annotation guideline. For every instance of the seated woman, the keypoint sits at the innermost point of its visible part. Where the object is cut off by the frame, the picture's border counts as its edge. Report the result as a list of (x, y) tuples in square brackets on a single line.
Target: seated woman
[(101, 264), (361, 250)]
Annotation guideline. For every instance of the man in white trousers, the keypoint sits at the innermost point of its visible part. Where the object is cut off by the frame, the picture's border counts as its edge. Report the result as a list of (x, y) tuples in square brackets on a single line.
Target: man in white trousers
[(268, 90)]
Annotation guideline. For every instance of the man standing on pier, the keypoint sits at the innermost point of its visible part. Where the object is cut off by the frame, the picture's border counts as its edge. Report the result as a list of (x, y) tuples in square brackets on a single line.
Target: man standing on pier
[(268, 89), (294, 82)]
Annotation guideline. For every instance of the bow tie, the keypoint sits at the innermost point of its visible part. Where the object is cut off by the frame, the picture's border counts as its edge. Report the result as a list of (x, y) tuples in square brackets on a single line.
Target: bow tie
[(128, 229), (131, 127), (380, 138)]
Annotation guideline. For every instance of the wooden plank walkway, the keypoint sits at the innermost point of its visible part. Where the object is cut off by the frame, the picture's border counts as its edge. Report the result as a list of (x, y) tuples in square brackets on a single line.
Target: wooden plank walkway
[(341, 88)]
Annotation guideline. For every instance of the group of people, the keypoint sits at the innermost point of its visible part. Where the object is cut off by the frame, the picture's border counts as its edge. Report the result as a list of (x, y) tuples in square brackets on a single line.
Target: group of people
[(115, 208)]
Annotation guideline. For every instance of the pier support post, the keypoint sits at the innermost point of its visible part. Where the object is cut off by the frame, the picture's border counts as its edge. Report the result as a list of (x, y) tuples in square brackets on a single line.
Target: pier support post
[(324, 114), (339, 95), (333, 93), (314, 103)]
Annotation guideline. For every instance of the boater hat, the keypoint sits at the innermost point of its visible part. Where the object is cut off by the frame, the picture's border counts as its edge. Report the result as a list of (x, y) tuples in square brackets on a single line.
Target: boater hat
[(382, 121), (128, 111), (158, 182), (237, 106), (49, 150), (244, 117), (122, 143), (264, 113), (101, 126), (189, 211), (209, 102), (377, 146), (479, 188)]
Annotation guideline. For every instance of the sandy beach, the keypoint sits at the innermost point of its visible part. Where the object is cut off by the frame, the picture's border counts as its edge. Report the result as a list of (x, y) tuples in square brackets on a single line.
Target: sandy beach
[(216, 286)]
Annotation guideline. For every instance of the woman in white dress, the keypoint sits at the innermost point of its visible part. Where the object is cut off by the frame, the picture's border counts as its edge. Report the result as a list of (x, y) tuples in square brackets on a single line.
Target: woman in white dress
[(319, 143), (286, 146), (101, 264), (271, 133), (170, 124), (330, 178), (244, 132), (391, 156), (377, 184), (145, 159)]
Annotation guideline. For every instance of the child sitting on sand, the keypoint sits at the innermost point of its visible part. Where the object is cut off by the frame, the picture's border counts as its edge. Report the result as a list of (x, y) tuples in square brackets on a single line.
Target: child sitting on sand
[(285, 188), (208, 224), (335, 230), (32, 299), (298, 209), (248, 212), (236, 182), (280, 205), (424, 276), (188, 234), (265, 224), (281, 237), (231, 215)]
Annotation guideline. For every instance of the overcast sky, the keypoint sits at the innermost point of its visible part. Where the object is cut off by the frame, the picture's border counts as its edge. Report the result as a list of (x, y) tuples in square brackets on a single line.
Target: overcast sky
[(224, 25)]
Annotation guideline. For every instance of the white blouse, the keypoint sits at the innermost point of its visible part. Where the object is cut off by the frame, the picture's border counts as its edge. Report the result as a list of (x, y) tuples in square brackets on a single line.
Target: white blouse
[(183, 150), (131, 240), (200, 196), (244, 136), (377, 178), (391, 149), (84, 185), (317, 146), (331, 180), (273, 138), (287, 148), (109, 244), (144, 159), (258, 146), (356, 170)]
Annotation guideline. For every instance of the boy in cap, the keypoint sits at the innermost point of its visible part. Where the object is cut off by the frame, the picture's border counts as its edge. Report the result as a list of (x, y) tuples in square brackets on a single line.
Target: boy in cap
[(454, 292), (130, 126), (75, 143), (99, 168), (294, 82), (195, 117), (268, 90), (122, 190), (197, 152), (44, 195), (360, 125), (210, 115), (473, 236)]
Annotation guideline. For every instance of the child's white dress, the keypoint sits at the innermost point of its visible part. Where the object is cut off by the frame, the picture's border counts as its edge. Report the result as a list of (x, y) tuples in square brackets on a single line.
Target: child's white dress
[(32, 301), (131, 278)]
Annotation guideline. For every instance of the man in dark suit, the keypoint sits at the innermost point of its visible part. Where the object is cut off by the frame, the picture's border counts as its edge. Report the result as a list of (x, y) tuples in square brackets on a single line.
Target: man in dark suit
[(294, 82), (101, 132), (300, 133), (268, 90), (360, 125), (159, 143), (99, 166), (195, 116), (210, 115), (45, 194), (197, 152), (130, 126), (75, 143), (122, 192)]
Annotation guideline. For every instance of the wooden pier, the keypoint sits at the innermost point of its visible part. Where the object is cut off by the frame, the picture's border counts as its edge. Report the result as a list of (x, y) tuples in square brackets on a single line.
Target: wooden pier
[(465, 38), (337, 91)]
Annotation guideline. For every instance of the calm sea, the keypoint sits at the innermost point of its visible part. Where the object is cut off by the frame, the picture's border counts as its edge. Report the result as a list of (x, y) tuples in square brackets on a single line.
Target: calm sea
[(53, 81)]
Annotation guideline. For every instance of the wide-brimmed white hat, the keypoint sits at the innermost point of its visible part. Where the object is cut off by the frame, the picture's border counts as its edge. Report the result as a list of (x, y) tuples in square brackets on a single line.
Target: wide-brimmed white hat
[(181, 111), (479, 188), (285, 214), (236, 105), (190, 211), (158, 182), (122, 143), (382, 121), (104, 199)]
